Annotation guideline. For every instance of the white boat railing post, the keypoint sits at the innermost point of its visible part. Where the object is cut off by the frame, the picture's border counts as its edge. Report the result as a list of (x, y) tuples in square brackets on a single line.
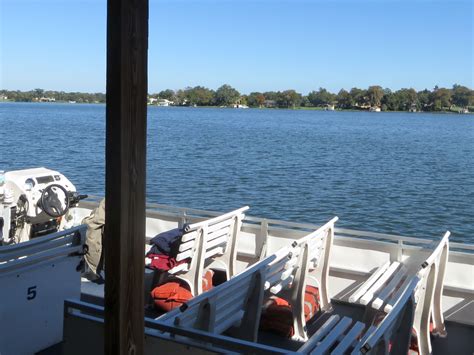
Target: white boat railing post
[(262, 251)]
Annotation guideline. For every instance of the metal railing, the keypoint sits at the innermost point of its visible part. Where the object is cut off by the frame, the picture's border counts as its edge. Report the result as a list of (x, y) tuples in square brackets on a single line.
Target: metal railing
[(154, 209)]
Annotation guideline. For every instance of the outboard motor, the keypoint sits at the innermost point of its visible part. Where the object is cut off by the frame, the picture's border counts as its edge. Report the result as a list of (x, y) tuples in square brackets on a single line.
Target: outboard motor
[(35, 202)]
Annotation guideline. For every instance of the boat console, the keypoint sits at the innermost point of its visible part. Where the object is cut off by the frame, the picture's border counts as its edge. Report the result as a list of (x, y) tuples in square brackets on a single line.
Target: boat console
[(33, 203)]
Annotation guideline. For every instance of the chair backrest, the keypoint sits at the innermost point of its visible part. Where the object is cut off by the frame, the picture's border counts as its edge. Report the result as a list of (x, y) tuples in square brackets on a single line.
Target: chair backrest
[(395, 327), (345, 336), (386, 285), (35, 278), (429, 295), (308, 258), (236, 303), (210, 240)]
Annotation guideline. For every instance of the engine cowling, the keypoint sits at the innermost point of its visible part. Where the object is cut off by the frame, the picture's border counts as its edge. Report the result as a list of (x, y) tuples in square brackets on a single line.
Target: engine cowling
[(22, 209)]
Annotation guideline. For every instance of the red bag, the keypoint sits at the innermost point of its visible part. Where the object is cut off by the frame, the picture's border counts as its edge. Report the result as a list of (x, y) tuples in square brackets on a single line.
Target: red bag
[(207, 280), (174, 293), (311, 302), (164, 262), (278, 318), (414, 336), (171, 295)]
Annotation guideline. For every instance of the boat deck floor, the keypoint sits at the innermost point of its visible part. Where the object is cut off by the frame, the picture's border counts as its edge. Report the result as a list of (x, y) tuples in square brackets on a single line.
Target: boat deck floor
[(460, 339)]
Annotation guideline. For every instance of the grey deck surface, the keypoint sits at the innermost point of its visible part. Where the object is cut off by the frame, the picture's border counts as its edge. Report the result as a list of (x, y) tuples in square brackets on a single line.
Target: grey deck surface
[(460, 339)]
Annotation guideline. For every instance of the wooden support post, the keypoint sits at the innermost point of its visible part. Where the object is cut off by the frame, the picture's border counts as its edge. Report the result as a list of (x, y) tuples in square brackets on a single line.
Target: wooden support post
[(124, 239)]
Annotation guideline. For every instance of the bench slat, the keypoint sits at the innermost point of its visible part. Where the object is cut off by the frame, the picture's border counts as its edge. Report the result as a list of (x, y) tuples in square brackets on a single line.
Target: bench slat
[(349, 339), (235, 286), (365, 299), (237, 296), (212, 252), (188, 317), (225, 324), (187, 245), (370, 281), (185, 254), (273, 279), (281, 285), (368, 333), (189, 236), (389, 289), (291, 264), (219, 226), (320, 333), (217, 219), (230, 311), (391, 302), (276, 268), (215, 242), (179, 268), (332, 337)]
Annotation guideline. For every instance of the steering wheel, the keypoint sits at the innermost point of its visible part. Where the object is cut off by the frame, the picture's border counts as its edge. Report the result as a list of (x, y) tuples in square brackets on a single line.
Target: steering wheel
[(55, 201)]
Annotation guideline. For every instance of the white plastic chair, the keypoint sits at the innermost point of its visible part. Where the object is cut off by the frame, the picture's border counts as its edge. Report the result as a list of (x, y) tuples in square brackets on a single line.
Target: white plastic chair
[(236, 304), (383, 288), (307, 258), (213, 240), (345, 336)]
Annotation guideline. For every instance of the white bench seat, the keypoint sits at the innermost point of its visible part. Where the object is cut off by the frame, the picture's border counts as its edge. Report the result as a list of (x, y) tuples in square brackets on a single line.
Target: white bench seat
[(385, 286), (213, 240), (307, 259), (342, 336), (235, 308), (233, 304)]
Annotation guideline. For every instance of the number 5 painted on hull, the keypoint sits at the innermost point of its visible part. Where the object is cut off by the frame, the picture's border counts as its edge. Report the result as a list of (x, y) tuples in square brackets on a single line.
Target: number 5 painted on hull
[(31, 294)]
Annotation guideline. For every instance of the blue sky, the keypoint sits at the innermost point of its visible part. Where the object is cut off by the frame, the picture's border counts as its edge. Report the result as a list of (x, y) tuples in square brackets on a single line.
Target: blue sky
[(257, 45)]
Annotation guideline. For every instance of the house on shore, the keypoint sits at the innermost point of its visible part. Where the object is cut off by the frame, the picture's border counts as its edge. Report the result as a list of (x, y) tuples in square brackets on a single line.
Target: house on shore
[(45, 99), (159, 102), (239, 106), (269, 103), (164, 102)]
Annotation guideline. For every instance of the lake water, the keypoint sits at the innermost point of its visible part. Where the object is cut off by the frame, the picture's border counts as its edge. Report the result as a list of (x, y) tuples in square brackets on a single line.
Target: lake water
[(403, 173)]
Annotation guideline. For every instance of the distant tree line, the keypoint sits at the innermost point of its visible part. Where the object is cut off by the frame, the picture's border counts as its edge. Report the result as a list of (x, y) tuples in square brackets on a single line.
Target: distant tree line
[(38, 95), (438, 99)]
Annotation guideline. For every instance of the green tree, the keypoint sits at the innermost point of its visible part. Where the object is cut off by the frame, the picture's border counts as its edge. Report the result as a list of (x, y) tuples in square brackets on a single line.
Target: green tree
[(375, 95), (199, 96), (180, 98), (39, 93), (405, 99), (462, 96), (271, 95), (255, 99), (359, 96), (344, 99), (441, 99), (288, 98), (321, 97), (226, 95), (424, 100), (167, 94), (305, 102)]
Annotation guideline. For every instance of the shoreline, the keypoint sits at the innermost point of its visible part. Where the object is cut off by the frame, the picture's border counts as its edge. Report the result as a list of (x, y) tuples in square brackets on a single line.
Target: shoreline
[(298, 108)]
